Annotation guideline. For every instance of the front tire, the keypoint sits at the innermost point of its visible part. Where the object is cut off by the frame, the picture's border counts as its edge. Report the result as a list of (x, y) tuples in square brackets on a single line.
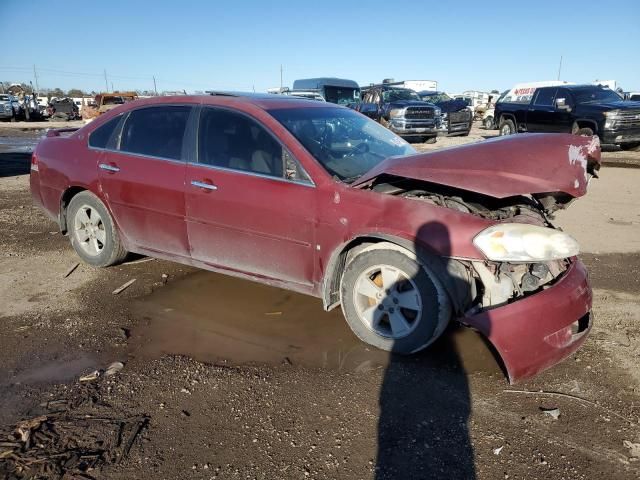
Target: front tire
[(391, 302), (488, 123), (507, 127), (92, 231)]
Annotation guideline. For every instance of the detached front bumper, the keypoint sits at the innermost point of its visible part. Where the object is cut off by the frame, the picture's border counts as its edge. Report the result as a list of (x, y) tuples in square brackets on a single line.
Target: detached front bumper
[(539, 331)]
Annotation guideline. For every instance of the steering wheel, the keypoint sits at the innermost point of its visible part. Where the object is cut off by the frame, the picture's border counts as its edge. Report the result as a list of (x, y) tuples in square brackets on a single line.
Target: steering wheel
[(359, 149)]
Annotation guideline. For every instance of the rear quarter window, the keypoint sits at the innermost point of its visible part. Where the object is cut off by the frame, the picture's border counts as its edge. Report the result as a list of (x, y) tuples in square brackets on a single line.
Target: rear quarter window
[(100, 137)]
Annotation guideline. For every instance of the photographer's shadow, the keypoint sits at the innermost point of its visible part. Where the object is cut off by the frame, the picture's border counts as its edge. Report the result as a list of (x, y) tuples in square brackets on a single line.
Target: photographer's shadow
[(424, 410)]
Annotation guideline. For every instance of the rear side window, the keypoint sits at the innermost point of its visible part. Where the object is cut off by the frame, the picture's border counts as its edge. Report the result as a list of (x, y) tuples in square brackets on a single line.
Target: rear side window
[(100, 137), (545, 97), (155, 131)]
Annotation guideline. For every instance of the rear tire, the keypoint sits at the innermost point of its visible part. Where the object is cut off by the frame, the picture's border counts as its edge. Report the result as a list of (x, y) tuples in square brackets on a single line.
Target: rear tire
[(488, 123), (391, 302), (92, 231), (507, 127)]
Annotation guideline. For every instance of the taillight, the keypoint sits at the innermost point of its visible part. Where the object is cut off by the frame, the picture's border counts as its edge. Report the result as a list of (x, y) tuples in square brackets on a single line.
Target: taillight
[(34, 162)]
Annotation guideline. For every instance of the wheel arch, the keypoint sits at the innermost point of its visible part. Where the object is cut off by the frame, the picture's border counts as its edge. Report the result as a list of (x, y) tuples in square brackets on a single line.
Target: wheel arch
[(586, 123), (65, 199), (453, 274)]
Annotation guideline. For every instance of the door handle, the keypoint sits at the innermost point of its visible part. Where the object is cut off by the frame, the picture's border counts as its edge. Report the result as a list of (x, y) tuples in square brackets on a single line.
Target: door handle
[(109, 168), (206, 186)]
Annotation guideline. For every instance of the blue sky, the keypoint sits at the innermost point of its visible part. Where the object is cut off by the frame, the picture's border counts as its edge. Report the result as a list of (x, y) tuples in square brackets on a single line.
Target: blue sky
[(240, 44)]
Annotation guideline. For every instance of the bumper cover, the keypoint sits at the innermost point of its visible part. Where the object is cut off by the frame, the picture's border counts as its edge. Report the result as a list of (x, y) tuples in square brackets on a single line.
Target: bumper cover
[(537, 332), (414, 127)]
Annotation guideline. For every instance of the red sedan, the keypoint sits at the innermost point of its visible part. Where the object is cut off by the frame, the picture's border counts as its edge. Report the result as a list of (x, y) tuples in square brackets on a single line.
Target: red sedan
[(319, 199)]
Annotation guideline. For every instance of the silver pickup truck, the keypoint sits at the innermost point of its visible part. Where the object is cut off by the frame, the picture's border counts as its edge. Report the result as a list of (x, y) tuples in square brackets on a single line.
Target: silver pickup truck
[(9, 107)]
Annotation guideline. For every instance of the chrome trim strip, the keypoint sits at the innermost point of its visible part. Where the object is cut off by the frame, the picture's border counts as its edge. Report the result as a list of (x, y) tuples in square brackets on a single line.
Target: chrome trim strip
[(208, 186), (253, 174)]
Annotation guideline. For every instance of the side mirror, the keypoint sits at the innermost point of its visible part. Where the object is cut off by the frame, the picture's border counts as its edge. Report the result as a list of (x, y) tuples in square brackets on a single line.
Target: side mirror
[(561, 104), (369, 109)]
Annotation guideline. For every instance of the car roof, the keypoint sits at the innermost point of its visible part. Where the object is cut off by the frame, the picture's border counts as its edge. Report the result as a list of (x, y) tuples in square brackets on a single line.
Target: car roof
[(264, 101)]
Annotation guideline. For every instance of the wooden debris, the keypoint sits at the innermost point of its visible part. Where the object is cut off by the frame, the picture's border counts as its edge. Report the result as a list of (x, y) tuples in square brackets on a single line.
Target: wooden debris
[(123, 287), (70, 271)]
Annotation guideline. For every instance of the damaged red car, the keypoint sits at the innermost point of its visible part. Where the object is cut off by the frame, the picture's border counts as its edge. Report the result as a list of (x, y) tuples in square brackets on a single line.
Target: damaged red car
[(322, 200)]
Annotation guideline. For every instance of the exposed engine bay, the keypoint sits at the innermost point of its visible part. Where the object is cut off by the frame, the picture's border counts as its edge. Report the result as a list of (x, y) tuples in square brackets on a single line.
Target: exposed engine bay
[(492, 284)]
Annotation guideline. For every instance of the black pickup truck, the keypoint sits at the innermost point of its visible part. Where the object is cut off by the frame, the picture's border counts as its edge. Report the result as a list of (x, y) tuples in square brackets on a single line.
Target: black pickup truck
[(402, 111), (578, 109)]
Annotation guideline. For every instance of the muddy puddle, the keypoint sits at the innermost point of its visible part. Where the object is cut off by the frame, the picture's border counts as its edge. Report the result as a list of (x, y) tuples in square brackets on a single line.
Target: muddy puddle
[(57, 370), (218, 319)]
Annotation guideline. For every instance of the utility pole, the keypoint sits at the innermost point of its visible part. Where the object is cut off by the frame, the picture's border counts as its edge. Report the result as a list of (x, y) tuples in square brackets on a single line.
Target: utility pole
[(155, 89), (35, 74), (560, 67), (112, 87), (280, 78), (106, 83)]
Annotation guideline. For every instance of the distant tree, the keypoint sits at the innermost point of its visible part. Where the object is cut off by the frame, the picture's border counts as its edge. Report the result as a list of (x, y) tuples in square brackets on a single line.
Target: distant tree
[(56, 92), (495, 91), (75, 92)]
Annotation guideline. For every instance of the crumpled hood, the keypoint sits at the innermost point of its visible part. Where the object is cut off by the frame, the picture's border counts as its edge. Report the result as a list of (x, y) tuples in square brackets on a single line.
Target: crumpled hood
[(521, 164)]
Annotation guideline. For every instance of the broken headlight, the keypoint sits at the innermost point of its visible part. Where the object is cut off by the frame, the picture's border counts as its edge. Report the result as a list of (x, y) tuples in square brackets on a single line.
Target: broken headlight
[(516, 242)]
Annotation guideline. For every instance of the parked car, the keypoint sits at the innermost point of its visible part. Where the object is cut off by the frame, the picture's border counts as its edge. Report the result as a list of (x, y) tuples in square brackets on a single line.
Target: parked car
[(488, 120), (333, 90), (63, 109), (402, 111), (634, 96), (579, 109), (9, 108), (456, 116), (319, 199)]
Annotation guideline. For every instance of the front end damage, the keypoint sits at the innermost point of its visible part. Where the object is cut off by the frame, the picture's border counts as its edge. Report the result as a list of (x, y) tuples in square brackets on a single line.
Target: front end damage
[(535, 313)]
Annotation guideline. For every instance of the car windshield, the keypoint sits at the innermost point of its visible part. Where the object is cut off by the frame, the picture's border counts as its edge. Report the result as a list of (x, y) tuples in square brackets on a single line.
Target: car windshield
[(341, 95), (596, 95), (436, 97), (346, 143), (396, 94)]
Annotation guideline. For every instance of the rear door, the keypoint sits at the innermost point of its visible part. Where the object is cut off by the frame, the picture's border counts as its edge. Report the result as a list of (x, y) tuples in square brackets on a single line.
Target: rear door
[(541, 116), (142, 178), (250, 205)]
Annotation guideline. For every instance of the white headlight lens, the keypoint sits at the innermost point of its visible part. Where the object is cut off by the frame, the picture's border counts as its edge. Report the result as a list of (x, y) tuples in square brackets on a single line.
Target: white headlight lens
[(395, 112), (516, 242)]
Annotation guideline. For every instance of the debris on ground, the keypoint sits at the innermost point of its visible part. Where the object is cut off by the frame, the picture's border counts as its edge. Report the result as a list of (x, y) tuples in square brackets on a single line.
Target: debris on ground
[(70, 270), (123, 287), (90, 377), (634, 448), (496, 451), (552, 412), (62, 445), (114, 368)]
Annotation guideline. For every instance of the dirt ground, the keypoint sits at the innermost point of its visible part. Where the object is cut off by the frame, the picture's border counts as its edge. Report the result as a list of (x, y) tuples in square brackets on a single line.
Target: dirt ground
[(224, 378)]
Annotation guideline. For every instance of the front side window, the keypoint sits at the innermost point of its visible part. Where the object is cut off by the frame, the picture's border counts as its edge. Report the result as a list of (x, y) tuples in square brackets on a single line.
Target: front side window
[(100, 137), (231, 140), (346, 143), (155, 131), (545, 97)]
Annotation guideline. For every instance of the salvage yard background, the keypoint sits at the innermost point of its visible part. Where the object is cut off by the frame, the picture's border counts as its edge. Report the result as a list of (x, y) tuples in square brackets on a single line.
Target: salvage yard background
[(223, 378)]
